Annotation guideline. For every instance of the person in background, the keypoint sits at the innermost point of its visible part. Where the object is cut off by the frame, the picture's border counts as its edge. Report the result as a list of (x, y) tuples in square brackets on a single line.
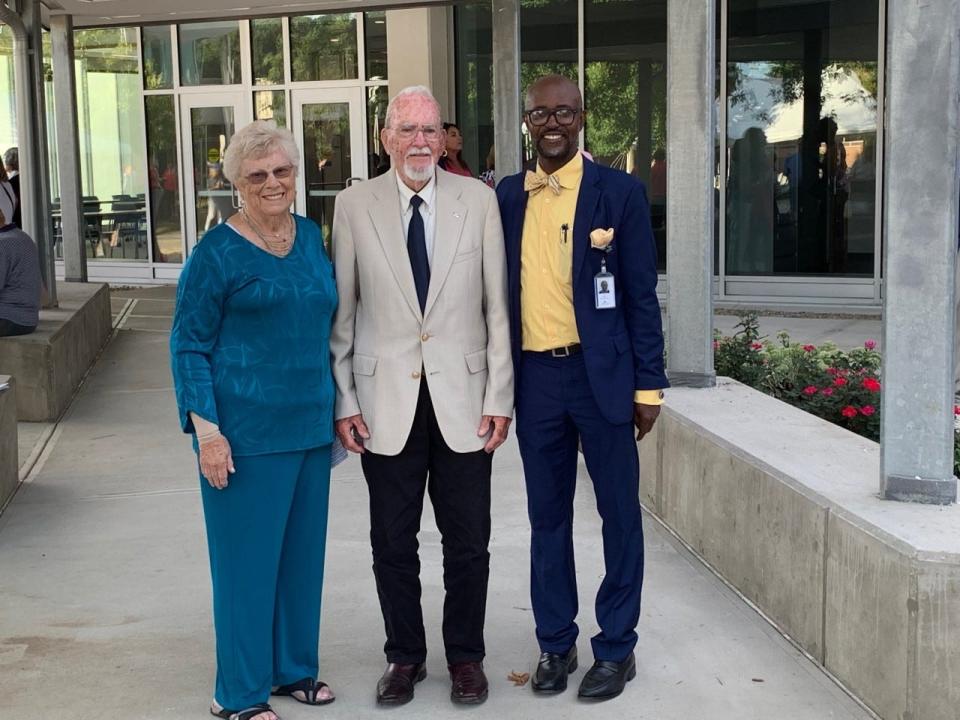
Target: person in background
[(489, 176), (11, 163), (451, 159), (250, 353), (20, 283)]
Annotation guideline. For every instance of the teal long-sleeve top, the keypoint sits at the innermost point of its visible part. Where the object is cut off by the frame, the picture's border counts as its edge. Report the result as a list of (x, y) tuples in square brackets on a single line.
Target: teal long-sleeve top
[(250, 344)]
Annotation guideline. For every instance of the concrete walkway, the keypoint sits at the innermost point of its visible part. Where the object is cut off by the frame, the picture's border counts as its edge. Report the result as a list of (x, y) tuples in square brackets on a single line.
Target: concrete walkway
[(105, 592)]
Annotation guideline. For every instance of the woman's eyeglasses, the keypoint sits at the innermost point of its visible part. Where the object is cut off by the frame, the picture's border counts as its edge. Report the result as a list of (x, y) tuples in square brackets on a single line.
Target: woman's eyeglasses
[(259, 177), (541, 116)]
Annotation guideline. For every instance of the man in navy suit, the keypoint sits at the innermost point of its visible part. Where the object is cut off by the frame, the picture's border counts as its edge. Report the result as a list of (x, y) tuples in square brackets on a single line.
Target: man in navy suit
[(588, 356)]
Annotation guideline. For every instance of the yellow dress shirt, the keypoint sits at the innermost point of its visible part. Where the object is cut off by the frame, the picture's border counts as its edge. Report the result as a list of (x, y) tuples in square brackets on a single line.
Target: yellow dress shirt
[(547, 317)]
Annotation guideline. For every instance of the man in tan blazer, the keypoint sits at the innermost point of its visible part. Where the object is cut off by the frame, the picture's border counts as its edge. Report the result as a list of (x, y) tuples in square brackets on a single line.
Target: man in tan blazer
[(422, 364)]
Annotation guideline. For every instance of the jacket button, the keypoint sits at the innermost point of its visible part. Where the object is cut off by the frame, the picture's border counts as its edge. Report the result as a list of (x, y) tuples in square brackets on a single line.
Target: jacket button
[(415, 375), (425, 337)]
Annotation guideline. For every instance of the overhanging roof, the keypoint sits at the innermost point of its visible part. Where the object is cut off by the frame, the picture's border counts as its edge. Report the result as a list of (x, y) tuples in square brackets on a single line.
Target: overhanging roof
[(136, 12)]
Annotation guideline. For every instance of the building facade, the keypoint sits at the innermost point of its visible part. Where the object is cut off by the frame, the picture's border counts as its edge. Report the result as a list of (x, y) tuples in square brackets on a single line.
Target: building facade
[(799, 137)]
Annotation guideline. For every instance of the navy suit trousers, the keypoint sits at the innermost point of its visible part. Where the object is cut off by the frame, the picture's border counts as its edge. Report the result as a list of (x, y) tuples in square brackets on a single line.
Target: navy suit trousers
[(555, 408)]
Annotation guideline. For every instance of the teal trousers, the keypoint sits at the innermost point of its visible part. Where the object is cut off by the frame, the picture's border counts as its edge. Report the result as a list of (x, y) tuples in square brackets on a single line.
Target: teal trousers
[(266, 533)]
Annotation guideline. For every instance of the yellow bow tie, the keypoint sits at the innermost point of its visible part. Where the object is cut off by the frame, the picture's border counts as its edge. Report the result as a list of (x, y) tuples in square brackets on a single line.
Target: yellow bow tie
[(534, 183)]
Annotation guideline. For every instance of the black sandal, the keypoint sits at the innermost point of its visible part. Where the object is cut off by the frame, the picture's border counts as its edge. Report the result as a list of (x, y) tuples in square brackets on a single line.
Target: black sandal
[(245, 714), (310, 689)]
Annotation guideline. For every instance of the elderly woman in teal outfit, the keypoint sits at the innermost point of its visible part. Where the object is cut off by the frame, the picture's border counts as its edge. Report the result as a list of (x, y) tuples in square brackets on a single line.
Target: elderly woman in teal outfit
[(251, 366)]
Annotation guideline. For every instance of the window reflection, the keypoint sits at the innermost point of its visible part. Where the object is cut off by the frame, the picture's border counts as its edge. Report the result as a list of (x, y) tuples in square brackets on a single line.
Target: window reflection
[(626, 96), (166, 232), (270, 105), (157, 57), (112, 164), (266, 41), (475, 82), (801, 137), (210, 53), (323, 47), (375, 44), (377, 99)]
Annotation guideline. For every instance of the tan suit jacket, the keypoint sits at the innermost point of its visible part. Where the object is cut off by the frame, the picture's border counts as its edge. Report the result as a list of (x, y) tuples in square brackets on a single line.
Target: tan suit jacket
[(381, 343)]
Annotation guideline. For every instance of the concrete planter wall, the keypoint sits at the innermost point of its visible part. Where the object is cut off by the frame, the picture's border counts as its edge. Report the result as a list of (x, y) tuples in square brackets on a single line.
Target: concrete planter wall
[(785, 506), (9, 463), (50, 362)]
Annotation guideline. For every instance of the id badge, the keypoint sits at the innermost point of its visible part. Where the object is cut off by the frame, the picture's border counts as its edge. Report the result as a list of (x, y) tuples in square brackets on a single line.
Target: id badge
[(604, 291)]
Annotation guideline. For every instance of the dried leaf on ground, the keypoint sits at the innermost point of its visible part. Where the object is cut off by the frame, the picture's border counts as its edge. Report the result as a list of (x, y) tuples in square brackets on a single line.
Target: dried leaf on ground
[(518, 678)]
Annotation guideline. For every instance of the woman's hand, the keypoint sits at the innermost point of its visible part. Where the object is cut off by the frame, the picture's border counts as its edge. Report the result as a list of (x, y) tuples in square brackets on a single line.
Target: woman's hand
[(216, 461)]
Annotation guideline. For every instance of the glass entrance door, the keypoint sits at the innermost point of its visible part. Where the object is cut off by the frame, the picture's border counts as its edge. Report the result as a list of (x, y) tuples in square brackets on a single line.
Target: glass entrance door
[(208, 122), (329, 128)]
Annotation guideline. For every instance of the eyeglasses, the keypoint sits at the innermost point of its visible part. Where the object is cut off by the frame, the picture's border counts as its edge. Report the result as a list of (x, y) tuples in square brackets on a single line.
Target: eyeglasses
[(259, 177), (541, 116), (408, 131)]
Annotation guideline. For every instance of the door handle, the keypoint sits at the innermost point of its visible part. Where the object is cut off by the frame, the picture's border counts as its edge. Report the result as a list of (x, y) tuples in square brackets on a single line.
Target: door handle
[(350, 181)]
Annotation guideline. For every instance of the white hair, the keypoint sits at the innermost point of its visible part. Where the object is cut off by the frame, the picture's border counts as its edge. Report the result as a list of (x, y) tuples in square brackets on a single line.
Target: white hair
[(256, 140), (406, 94)]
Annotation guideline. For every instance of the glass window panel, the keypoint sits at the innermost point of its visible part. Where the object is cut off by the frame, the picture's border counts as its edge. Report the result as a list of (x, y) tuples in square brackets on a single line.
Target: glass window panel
[(210, 53), (326, 156), (375, 44), (270, 105), (157, 57), (475, 83), (379, 161), (626, 96), (112, 163), (801, 137), (267, 48), (166, 234), (210, 129), (323, 47), (548, 45)]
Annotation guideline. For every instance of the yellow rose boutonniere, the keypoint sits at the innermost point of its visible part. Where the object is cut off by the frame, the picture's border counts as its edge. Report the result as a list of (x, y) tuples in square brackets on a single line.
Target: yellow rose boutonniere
[(601, 239)]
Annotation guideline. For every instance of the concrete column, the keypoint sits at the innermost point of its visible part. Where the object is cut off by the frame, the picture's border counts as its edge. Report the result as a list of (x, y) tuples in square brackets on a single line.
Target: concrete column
[(420, 52), (506, 86), (68, 149), (920, 239), (690, 168)]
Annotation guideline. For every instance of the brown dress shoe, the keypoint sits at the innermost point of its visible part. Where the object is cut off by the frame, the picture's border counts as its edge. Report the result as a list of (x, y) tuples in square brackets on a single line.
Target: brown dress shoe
[(395, 686), (469, 683)]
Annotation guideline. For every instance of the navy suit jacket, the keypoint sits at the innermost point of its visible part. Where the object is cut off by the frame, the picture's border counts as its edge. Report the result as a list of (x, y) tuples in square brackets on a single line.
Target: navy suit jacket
[(622, 347)]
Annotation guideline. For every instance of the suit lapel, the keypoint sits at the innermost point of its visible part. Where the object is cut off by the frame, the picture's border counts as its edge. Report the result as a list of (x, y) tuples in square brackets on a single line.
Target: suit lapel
[(450, 215), (385, 214), (583, 219)]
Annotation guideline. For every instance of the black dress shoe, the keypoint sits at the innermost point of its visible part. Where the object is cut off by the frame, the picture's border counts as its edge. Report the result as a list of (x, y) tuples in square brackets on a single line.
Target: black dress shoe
[(606, 679), (468, 683), (550, 677), (395, 686)]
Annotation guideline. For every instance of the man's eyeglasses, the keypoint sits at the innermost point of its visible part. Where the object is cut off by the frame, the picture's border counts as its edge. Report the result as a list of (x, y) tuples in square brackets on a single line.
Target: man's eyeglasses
[(407, 131), (259, 177), (541, 116)]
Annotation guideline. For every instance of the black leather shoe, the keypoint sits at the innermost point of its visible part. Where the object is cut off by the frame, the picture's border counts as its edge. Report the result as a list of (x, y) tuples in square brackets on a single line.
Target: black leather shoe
[(395, 686), (550, 677), (606, 679), (468, 683)]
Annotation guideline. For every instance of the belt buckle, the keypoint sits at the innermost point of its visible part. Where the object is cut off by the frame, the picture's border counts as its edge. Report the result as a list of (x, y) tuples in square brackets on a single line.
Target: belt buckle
[(561, 352)]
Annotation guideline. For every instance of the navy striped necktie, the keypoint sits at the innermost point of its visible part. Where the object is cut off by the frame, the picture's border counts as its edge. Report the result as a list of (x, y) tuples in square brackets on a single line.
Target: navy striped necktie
[(417, 248)]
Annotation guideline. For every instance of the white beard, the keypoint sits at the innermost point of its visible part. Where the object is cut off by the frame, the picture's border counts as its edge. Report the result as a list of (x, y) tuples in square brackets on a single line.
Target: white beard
[(418, 174)]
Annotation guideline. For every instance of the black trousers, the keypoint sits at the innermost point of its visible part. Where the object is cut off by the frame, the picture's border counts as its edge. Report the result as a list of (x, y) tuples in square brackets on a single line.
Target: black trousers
[(9, 329), (459, 487)]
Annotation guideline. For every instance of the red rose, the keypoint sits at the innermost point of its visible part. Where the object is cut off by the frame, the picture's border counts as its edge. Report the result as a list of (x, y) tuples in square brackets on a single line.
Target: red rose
[(809, 348), (839, 382), (870, 344), (849, 411), (868, 410), (871, 384), (757, 346), (828, 391), (812, 390), (956, 409)]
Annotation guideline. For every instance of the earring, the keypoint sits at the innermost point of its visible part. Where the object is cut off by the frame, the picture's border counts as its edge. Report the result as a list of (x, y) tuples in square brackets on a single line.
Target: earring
[(444, 153)]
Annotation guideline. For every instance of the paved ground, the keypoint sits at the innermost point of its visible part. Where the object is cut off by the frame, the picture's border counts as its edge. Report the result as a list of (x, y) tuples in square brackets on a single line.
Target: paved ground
[(105, 597)]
